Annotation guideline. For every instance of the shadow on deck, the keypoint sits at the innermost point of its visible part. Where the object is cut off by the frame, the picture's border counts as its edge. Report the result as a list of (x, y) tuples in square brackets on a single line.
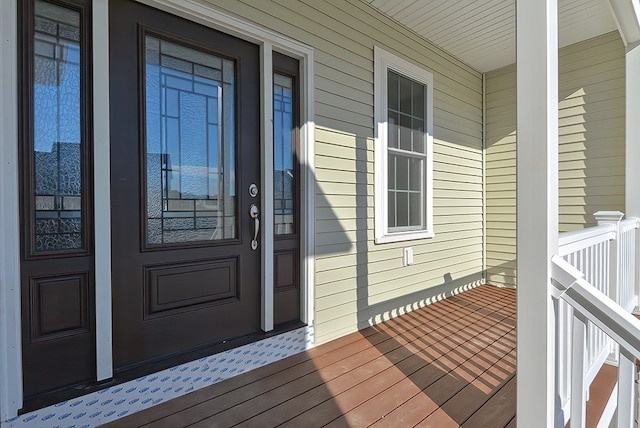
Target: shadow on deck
[(451, 363)]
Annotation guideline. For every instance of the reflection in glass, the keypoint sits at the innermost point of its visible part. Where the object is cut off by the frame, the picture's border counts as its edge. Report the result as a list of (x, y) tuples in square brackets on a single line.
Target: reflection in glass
[(406, 152), (57, 126), (406, 108), (190, 139), (283, 154)]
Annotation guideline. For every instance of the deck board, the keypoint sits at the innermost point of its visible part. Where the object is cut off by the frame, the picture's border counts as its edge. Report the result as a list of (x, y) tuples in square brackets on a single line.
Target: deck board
[(449, 364)]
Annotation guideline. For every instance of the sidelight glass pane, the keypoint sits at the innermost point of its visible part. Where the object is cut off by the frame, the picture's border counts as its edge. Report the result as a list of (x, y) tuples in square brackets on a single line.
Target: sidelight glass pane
[(190, 144), (57, 129), (283, 154)]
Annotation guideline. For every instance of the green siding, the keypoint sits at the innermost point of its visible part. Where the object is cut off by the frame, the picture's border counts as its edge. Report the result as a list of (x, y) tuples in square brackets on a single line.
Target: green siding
[(591, 146), (357, 281)]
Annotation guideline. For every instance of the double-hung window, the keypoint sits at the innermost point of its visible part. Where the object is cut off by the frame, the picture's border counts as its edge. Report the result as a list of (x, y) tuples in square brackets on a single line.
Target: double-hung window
[(403, 149)]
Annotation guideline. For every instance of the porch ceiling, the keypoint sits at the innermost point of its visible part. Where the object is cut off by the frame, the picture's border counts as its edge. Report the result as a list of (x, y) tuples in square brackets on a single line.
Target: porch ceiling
[(482, 32)]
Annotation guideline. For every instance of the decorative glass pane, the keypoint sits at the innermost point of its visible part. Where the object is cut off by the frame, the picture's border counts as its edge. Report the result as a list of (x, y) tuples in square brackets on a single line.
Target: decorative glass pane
[(190, 144), (283, 154), (57, 129)]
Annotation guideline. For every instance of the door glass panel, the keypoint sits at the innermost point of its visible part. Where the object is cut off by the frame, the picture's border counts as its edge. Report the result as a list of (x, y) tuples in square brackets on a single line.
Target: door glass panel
[(57, 129), (283, 168), (190, 144)]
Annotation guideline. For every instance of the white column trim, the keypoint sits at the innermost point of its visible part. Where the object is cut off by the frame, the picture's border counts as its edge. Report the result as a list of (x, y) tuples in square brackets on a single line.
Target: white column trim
[(308, 190), (626, 14), (102, 190), (266, 189), (632, 143), (537, 208), (10, 339), (632, 132)]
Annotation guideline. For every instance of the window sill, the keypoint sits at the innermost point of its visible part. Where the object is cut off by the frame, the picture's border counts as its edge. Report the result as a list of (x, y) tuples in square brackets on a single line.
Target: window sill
[(404, 236)]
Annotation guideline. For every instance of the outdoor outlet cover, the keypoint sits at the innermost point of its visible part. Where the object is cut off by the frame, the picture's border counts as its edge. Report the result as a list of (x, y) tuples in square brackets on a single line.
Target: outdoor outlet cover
[(408, 256)]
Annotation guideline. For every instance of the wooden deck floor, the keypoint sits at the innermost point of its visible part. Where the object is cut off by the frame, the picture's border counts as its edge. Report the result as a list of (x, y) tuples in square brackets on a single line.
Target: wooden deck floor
[(450, 364)]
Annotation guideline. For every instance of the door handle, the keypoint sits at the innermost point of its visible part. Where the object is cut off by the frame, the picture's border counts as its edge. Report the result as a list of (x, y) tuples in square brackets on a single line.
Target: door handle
[(254, 212)]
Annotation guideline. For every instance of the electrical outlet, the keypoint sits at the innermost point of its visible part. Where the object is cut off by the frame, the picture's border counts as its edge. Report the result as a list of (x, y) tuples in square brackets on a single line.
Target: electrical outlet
[(407, 254)]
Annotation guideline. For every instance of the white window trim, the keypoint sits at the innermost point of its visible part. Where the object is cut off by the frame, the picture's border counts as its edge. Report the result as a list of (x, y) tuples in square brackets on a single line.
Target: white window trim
[(384, 61)]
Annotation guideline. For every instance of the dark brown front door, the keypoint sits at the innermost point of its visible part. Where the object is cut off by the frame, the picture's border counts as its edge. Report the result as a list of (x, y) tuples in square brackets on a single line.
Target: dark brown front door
[(184, 152)]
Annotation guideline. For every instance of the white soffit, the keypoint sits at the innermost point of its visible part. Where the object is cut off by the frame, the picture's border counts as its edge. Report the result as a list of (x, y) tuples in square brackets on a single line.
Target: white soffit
[(482, 32)]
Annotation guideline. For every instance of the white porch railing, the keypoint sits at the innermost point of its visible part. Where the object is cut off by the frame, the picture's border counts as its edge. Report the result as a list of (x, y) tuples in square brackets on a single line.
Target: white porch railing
[(626, 292), (597, 264)]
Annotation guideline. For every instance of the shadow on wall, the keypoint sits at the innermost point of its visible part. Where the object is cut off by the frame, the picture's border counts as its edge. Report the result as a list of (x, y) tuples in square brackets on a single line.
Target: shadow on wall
[(344, 242), (591, 154), (591, 146)]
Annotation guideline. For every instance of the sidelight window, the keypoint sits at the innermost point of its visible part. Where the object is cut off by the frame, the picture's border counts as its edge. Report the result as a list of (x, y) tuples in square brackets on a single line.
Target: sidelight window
[(57, 134)]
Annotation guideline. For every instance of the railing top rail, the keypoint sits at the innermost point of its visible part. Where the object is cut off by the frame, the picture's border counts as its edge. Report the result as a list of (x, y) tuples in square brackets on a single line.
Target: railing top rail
[(595, 306), (570, 242), (629, 224)]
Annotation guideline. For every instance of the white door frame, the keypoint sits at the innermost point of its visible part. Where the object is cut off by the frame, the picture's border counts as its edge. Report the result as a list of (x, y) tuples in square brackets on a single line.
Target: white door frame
[(10, 340), (269, 41)]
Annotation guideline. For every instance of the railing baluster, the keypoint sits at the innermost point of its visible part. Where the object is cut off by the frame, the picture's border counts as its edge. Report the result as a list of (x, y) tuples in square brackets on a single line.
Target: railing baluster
[(578, 380), (626, 389), (602, 258)]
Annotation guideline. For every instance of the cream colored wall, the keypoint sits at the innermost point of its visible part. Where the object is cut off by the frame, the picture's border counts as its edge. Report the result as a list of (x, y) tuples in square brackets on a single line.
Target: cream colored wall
[(591, 145), (501, 175), (357, 281)]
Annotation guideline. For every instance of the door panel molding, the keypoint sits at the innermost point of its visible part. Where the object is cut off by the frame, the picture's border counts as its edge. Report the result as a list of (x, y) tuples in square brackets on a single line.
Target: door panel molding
[(176, 287), (53, 320)]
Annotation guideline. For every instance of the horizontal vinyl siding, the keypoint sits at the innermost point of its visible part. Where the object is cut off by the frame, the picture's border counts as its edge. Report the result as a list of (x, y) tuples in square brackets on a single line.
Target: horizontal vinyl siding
[(357, 281), (501, 176), (591, 146), (592, 122)]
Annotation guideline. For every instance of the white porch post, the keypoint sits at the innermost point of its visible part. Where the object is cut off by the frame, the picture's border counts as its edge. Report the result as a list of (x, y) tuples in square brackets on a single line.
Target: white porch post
[(632, 150), (614, 218), (537, 208)]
